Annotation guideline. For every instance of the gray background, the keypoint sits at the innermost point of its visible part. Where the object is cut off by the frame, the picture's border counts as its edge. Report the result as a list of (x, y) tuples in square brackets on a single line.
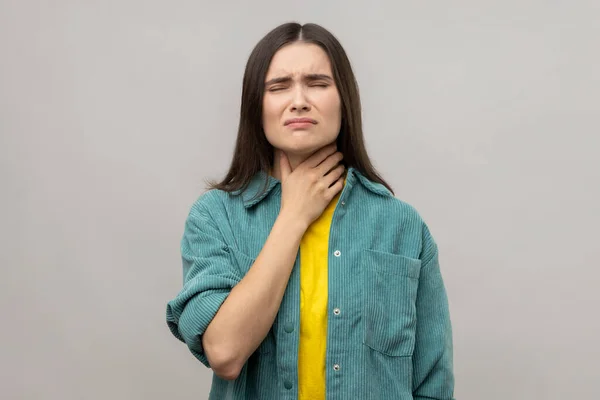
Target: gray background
[(483, 115)]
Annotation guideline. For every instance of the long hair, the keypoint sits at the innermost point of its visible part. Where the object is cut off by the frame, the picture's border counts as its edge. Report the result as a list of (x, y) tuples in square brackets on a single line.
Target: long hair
[(253, 153)]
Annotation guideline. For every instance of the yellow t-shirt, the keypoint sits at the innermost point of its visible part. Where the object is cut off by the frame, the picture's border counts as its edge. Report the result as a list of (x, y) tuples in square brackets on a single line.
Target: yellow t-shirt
[(313, 306)]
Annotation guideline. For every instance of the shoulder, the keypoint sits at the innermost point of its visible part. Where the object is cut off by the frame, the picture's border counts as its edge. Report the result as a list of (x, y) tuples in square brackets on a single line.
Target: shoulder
[(210, 205), (403, 212), (413, 223)]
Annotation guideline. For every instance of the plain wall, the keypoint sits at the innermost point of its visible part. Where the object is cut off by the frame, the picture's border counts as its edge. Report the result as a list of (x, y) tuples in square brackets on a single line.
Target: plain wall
[(482, 115)]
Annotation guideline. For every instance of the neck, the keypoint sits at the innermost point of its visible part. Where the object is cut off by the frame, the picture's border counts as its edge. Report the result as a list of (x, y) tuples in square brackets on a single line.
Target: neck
[(295, 160)]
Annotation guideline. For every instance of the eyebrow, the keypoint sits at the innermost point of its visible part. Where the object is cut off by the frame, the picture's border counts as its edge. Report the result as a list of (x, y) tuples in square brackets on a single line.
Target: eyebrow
[(307, 77)]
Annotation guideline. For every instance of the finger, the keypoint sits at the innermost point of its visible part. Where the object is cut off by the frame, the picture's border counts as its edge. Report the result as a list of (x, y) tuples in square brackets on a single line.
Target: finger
[(330, 162), (320, 155), (334, 175), (335, 188)]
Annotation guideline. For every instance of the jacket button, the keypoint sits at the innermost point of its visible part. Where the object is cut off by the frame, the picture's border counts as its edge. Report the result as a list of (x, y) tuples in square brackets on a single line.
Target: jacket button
[(287, 385), (289, 328)]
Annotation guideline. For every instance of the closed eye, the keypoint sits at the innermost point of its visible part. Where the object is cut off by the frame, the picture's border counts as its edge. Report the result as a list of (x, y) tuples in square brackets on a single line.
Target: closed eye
[(312, 84)]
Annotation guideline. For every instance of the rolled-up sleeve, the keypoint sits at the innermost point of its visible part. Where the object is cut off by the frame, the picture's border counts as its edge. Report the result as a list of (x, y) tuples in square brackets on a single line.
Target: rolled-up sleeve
[(433, 374), (209, 274)]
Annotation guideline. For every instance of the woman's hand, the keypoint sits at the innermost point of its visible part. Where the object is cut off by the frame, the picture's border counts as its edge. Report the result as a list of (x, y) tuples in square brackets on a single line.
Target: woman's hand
[(308, 190)]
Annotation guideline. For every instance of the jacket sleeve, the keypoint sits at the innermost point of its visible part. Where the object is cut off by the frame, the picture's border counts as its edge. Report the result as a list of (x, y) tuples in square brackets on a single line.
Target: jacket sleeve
[(433, 375), (209, 274)]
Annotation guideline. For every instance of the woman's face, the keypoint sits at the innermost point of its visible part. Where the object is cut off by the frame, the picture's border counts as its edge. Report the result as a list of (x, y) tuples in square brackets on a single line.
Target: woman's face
[(301, 106)]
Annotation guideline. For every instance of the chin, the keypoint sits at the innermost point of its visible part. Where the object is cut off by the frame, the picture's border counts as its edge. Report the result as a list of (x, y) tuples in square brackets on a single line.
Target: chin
[(302, 147), (301, 142)]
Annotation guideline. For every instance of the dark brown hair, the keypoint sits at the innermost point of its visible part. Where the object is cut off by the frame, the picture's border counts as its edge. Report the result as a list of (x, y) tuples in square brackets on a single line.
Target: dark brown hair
[(253, 153)]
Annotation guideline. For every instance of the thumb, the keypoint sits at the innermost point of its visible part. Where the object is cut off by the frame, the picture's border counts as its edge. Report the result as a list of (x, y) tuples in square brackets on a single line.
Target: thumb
[(284, 165)]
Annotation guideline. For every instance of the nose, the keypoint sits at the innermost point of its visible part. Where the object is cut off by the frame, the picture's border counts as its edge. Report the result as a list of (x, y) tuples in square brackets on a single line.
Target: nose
[(299, 101)]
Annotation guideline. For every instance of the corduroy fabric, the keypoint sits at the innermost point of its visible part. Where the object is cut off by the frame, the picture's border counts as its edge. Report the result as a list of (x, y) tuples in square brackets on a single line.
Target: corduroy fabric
[(392, 338)]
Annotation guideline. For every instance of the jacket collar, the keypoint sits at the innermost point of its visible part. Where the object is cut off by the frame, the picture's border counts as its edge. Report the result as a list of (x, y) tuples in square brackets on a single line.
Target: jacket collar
[(258, 180)]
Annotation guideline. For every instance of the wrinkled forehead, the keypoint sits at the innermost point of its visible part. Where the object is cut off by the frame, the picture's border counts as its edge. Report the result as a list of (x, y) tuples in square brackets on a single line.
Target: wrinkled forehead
[(298, 59)]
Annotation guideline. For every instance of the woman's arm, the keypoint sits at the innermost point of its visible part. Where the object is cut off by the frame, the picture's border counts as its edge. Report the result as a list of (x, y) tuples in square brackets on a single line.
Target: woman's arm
[(220, 314), (433, 375), (247, 314)]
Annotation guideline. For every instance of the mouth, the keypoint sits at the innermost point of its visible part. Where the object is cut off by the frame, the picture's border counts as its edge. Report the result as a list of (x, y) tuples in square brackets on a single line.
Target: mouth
[(297, 122)]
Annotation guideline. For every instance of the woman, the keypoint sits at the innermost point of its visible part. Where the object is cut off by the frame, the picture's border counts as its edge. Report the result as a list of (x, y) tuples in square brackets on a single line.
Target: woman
[(304, 277)]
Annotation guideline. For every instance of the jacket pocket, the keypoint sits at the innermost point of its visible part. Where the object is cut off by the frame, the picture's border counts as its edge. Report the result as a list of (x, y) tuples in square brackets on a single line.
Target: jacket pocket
[(389, 309)]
